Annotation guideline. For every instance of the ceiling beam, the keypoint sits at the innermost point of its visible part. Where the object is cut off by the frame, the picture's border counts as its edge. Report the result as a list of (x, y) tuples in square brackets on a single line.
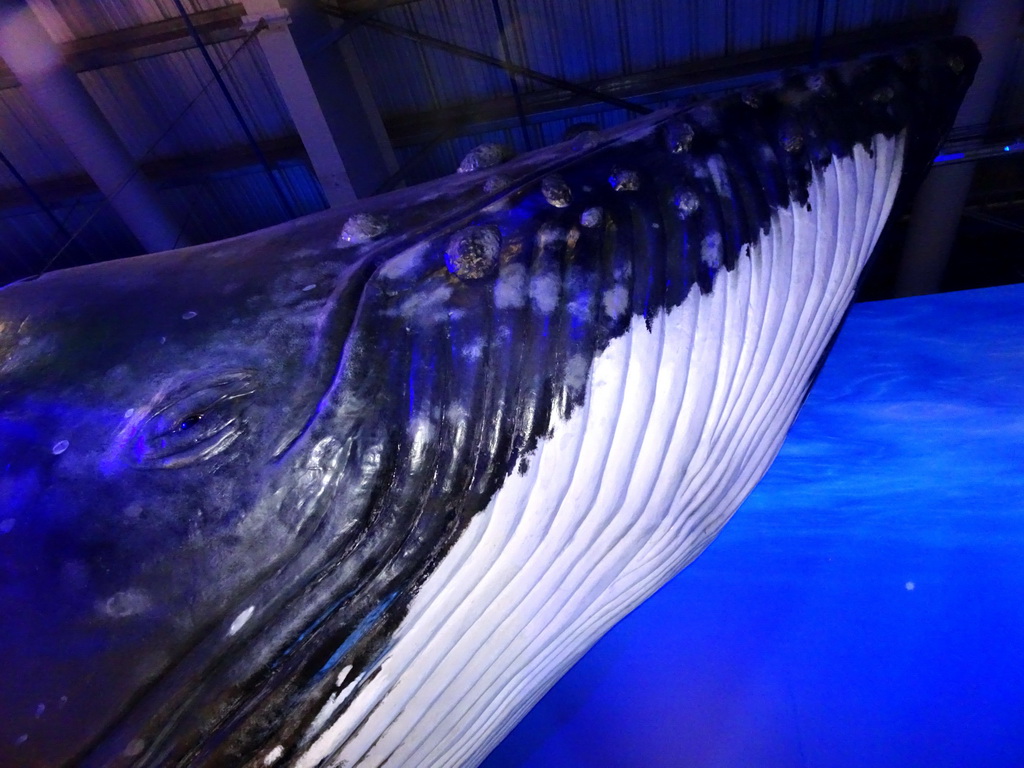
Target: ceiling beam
[(178, 171), (58, 94), (360, 6), (156, 39), (709, 74), (511, 68), (337, 120), (296, 89)]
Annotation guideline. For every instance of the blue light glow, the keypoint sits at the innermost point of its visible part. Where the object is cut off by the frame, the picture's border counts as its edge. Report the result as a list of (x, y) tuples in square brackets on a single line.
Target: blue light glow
[(862, 608), (357, 635)]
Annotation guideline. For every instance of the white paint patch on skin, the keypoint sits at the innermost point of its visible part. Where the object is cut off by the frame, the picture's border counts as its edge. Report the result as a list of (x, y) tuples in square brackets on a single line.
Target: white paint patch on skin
[(405, 263), (711, 250), (544, 289), (240, 620), (129, 413), (474, 350), (308, 288), (21, 740), (273, 755), (615, 302), (549, 234), (428, 306), (134, 748), (457, 416), (576, 372), (719, 176), (581, 306), (60, 446), (328, 709), (189, 315), (680, 421), (40, 709), (511, 287), (334, 701), (7, 525), (128, 602), (420, 434), (343, 674)]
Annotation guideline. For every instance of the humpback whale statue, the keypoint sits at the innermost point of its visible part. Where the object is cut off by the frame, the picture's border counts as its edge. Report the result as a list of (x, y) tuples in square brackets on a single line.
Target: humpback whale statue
[(357, 489)]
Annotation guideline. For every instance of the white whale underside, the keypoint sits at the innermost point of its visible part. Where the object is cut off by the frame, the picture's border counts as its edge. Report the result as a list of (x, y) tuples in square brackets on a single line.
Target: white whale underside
[(679, 424)]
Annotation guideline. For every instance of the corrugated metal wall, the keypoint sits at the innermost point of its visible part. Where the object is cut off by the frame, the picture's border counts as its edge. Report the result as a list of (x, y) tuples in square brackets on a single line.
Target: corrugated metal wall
[(590, 40)]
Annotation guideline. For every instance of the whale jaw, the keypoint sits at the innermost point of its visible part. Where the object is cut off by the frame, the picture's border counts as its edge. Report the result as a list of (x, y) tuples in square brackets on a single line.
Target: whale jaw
[(681, 420)]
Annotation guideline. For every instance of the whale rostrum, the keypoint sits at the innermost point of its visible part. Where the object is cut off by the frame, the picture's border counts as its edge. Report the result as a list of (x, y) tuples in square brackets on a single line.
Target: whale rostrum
[(357, 489)]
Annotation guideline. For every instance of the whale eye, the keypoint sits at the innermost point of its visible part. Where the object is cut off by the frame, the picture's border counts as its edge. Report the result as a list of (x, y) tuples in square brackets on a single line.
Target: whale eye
[(190, 421), (194, 424)]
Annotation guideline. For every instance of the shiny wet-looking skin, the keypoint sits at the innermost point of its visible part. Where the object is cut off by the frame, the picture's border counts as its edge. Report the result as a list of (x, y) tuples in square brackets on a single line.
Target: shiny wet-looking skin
[(236, 478)]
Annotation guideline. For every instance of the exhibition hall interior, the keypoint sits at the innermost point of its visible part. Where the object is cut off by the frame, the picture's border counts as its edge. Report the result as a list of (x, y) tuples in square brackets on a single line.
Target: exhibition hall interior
[(860, 608)]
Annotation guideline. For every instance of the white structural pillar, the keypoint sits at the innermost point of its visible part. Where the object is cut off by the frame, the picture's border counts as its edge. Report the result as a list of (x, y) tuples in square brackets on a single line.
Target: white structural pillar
[(58, 94), (935, 216), (330, 114)]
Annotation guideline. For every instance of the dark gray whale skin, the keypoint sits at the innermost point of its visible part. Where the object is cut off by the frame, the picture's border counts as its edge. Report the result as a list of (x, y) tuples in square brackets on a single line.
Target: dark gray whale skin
[(188, 434)]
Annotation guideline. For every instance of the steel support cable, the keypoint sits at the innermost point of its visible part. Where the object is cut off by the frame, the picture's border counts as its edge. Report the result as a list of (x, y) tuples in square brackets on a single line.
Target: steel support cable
[(424, 151), (30, 191), (170, 127), (348, 26), (285, 201), (512, 78), (483, 58)]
